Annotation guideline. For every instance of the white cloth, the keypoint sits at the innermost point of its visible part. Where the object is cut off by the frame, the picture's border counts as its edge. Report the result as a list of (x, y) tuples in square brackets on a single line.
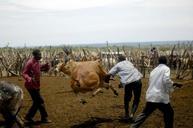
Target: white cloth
[(160, 85), (126, 71)]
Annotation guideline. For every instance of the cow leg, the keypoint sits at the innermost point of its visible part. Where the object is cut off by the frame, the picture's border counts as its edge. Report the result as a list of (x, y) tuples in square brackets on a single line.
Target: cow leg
[(19, 121), (75, 85), (97, 91), (106, 85), (114, 91), (109, 85)]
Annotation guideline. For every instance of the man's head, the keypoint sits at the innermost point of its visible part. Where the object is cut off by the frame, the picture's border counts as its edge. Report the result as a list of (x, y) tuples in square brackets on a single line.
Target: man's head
[(162, 60), (37, 54), (121, 58)]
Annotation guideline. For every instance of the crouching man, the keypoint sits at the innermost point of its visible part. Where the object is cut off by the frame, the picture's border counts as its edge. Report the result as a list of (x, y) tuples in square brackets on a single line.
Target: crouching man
[(11, 97)]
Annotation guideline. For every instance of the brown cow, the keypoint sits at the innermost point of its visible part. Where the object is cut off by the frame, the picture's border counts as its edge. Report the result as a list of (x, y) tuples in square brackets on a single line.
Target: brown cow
[(85, 76)]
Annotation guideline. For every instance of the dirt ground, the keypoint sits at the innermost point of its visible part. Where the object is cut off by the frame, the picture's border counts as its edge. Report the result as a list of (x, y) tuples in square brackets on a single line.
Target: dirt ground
[(105, 109)]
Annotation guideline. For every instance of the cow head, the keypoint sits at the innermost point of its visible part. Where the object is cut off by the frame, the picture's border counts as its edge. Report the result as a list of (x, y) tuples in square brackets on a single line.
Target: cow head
[(60, 67), (66, 68)]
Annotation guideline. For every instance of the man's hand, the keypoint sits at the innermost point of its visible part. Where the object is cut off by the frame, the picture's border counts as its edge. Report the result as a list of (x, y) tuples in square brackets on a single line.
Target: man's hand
[(31, 79), (107, 78), (177, 85), (45, 67)]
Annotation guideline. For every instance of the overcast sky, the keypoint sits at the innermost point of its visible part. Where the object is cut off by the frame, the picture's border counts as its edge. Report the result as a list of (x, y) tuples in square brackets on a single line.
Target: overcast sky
[(55, 22)]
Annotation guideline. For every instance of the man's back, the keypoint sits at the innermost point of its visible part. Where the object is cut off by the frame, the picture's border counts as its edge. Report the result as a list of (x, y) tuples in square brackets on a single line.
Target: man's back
[(127, 72), (159, 84)]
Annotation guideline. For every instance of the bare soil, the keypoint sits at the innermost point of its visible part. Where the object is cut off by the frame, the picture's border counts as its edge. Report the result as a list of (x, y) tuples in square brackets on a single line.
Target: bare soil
[(103, 110)]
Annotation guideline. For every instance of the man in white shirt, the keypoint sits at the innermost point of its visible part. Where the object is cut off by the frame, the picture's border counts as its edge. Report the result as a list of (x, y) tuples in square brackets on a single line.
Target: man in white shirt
[(130, 79), (157, 95)]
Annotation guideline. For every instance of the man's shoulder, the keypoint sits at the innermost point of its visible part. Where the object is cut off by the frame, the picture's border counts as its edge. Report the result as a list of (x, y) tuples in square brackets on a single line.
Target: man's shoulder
[(29, 61), (161, 67), (165, 67)]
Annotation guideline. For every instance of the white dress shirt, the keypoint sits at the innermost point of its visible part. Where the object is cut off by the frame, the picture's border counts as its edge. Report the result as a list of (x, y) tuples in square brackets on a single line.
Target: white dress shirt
[(160, 85), (126, 71)]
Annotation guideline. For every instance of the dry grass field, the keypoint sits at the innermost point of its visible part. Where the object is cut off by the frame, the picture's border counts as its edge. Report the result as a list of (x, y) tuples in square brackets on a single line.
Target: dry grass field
[(104, 110)]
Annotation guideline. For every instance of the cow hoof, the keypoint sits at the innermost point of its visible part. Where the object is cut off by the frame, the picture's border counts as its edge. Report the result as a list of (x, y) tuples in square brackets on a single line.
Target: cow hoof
[(116, 93), (82, 101)]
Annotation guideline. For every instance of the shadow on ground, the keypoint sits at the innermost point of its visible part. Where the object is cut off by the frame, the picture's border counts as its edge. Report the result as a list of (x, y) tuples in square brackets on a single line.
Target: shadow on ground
[(92, 122)]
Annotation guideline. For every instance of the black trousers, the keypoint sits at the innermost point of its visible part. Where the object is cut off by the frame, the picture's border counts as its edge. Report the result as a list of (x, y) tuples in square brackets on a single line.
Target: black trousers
[(135, 88), (38, 104), (9, 118), (166, 109)]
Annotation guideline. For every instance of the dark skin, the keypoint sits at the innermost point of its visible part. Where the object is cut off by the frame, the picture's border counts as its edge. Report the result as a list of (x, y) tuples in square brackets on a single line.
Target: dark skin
[(38, 56), (107, 78)]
